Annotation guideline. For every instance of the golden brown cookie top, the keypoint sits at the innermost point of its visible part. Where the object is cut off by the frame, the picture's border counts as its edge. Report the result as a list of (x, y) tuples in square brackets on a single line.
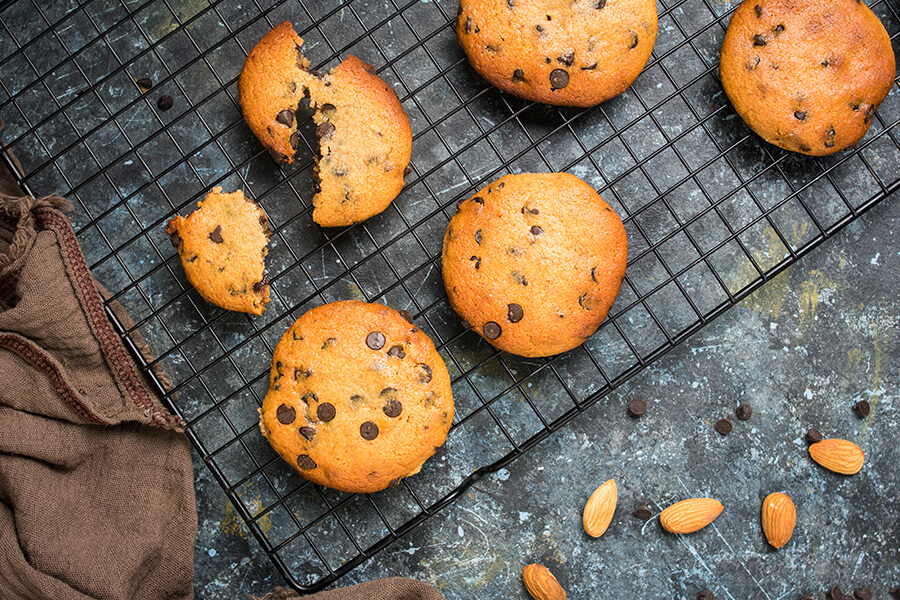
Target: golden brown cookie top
[(364, 134), (533, 262), (572, 53), (222, 244), (358, 397), (807, 75)]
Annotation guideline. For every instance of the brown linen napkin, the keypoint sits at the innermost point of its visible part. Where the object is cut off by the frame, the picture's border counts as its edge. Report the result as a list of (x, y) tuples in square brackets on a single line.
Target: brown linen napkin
[(96, 482), (391, 588)]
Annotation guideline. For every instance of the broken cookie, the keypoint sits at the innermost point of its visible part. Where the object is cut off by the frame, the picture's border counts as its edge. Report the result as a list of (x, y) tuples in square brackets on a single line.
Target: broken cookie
[(222, 245), (364, 135)]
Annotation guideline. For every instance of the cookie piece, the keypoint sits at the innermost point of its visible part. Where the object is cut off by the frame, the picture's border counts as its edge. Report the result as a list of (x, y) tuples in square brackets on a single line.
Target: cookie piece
[(533, 262), (365, 139), (358, 397), (576, 53), (222, 245), (806, 75)]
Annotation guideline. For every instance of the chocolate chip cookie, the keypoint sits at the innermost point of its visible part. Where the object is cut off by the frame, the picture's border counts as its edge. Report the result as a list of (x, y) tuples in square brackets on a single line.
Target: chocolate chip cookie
[(807, 75), (358, 397), (577, 53), (364, 135), (222, 245), (533, 262)]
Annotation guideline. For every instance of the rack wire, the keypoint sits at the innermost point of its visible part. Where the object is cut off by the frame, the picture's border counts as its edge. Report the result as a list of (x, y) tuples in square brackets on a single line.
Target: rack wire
[(711, 211)]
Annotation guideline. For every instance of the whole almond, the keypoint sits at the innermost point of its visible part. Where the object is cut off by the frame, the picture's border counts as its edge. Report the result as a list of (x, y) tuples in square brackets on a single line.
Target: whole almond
[(779, 515), (598, 512), (690, 515), (541, 583), (837, 455)]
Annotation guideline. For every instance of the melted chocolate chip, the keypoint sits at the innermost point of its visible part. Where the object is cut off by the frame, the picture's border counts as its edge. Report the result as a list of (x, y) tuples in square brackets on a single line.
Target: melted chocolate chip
[(780, 27), (469, 25), (478, 200), (285, 117), (305, 462), (519, 278), (514, 313), (388, 392), (393, 408), (758, 10), (870, 113), (593, 274), (329, 343), (375, 340), (368, 430), (533, 211), (800, 115), (759, 40), (478, 237), (477, 260), (310, 398), (584, 302), (600, 4), (397, 351), (300, 374), (324, 130), (829, 138), (559, 79), (285, 414), (634, 40), (535, 230), (216, 235), (425, 377), (589, 67), (539, 28), (491, 330), (260, 285), (175, 238), (325, 412), (518, 75), (567, 59), (308, 432)]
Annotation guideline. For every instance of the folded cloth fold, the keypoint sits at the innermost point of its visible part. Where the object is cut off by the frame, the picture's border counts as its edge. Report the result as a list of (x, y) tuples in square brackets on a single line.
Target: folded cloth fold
[(96, 482)]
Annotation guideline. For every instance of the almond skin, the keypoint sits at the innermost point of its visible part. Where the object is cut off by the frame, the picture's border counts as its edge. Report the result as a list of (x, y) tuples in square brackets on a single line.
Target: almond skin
[(838, 455), (690, 515), (779, 515), (598, 512), (541, 583)]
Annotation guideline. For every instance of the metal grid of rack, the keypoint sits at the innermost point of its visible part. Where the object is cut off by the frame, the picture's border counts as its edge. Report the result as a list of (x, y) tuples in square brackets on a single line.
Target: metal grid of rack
[(711, 211)]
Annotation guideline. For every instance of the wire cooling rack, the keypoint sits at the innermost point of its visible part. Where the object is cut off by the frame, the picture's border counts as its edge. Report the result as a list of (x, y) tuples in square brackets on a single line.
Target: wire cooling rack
[(711, 211)]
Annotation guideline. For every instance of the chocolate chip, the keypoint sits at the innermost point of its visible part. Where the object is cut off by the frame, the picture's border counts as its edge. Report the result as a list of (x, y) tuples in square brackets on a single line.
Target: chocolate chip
[(584, 302), (519, 277), (780, 27), (216, 234), (406, 315), (589, 67), (395, 482), (854, 106), (165, 102), (706, 595), (388, 392), (295, 140), (808, 596), (478, 237), (863, 593), (310, 398), (278, 157), (260, 285), (535, 230), (375, 340), (824, 63), (637, 407), (643, 512), (285, 117), (324, 130), (305, 462), (491, 330), (408, 170), (800, 115), (559, 79), (634, 40), (533, 211), (514, 313), (829, 138), (397, 351), (600, 4), (327, 107), (300, 374), (862, 408), (567, 59), (308, 432), (175, 238), (469, 25), (145, 82), (835, 593), (758, 10), (744, 411), (895, 592), (814, 435), (368, 430), (325, 412), (724, 426), (870, 113), (285, 414), (393, 408), (759, 40), (426, 376), (518, 75), (539, 29)]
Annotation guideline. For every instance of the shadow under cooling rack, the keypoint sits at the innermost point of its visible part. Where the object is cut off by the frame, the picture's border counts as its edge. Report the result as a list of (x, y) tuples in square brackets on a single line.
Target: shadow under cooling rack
[(711, 212)]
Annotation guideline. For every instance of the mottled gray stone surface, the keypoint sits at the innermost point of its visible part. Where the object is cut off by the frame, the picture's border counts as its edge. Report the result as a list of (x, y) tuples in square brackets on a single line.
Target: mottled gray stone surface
[(802, 350)]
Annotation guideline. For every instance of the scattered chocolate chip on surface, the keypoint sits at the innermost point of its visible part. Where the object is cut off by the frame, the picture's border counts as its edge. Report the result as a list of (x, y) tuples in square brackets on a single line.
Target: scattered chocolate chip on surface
[(862, 408), (744, 411), (706, 595), (808, 596), (165, 102), (643, 512), (863, 593), (637, 407), (724, 426), (814, 435), (835, 593), (144, 83)]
